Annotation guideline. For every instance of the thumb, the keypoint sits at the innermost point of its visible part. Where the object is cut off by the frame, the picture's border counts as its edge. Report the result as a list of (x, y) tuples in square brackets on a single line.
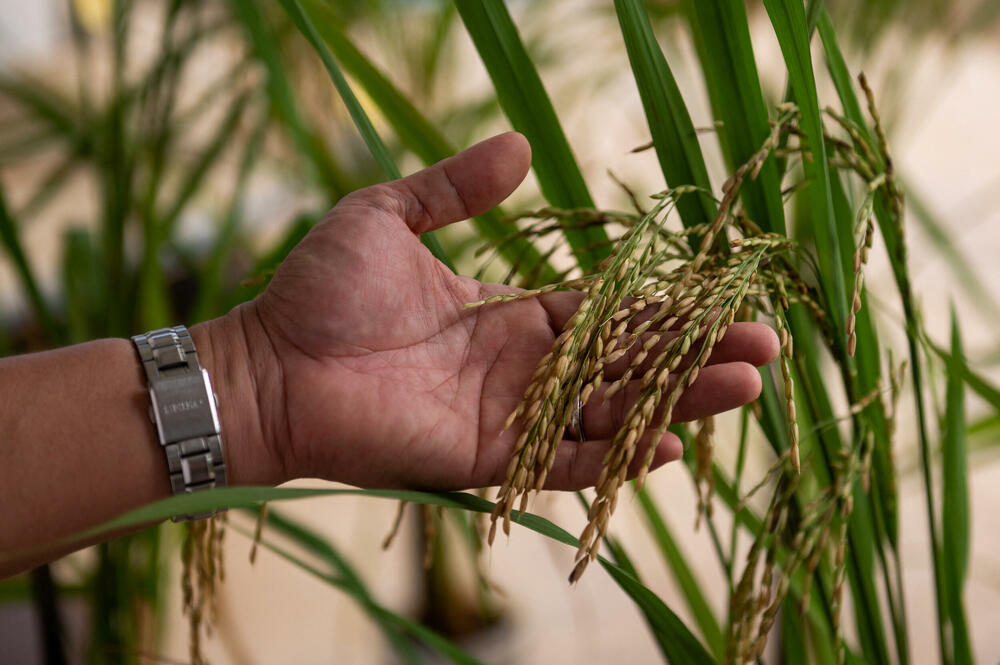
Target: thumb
[(462, 186)]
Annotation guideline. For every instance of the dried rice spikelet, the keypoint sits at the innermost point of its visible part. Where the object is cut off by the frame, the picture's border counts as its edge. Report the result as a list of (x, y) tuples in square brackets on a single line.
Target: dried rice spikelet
[(201, 556), (704, 478)]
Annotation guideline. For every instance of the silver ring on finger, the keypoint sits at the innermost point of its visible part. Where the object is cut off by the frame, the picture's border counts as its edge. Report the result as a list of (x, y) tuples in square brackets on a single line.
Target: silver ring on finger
[(575, 426)]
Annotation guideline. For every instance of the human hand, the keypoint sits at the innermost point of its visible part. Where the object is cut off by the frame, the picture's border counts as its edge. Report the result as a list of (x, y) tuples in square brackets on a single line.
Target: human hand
[(367, 368)]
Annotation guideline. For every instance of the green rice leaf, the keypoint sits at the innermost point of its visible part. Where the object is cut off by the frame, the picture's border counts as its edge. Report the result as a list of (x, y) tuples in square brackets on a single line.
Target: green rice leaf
[(412, 128), (677, 564), (208, 298), (955, 500), (979, 384), (670, 126), (772, 418), (358, 115), (10, 240), (620, 557), (383, 616), (788, 19), (839, 73), (434, 48), (194, 177), (347, 578), (832, 240), (415, 131), (50, 185), (154, 304), (524, 100), (884, 494), (793, 639), (726, 55), (670, 632), (83, 285), (661, 625), (354, 108), (43, 102), (264, 42), (677, 643)]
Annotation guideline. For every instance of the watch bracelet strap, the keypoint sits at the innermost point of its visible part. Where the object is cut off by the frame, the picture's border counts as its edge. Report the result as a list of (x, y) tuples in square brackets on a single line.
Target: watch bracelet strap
[(193, 464)]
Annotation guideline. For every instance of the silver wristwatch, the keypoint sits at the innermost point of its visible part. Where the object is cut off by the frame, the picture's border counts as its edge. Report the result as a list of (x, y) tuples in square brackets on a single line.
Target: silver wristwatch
[(184, 410)]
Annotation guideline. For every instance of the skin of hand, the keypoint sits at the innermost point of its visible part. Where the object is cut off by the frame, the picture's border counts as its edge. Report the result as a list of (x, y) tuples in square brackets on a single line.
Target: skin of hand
[(364, 366)]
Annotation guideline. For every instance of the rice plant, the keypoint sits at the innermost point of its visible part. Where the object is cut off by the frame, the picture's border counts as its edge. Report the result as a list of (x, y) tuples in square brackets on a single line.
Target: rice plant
[(783, 238)]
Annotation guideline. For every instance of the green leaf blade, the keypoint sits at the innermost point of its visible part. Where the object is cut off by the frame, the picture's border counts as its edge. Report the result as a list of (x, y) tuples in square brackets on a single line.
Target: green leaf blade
[(677, 564), (361, 120), (10, 241), (679, 646), (670, 125), (955, 500), (788, 19), (677, 642), (347, 578), (726, 54), (417, 133), (264, 44), (528, 107)]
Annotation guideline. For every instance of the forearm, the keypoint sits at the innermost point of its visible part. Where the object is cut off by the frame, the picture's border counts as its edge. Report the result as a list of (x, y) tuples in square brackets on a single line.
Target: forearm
[(77, 447)]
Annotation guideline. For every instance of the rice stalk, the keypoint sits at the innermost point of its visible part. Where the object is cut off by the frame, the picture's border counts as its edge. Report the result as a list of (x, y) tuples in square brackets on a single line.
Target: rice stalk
[(432, 516), (394, 529), (203, 570), (704, 478), (258, 530)]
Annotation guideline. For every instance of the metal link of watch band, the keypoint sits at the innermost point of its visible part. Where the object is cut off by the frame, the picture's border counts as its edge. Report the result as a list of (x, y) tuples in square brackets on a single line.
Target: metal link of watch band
[(184, 410)]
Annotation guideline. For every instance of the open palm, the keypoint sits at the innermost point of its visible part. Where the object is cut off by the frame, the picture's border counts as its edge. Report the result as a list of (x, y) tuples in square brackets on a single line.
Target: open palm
[(386, 380)]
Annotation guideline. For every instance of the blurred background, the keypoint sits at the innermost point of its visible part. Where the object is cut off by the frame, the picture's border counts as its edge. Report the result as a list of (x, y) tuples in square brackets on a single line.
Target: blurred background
[(159, 157)]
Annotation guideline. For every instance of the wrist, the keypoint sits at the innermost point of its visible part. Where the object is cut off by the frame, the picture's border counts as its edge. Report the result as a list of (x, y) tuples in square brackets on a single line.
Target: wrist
[(233, 360)]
